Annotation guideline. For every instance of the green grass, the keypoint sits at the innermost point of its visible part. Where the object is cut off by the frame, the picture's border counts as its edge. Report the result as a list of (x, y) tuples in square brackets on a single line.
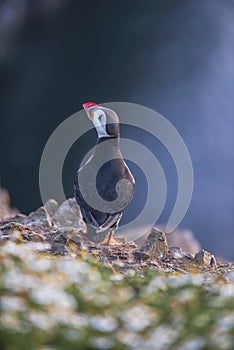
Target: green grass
[(75, 303)]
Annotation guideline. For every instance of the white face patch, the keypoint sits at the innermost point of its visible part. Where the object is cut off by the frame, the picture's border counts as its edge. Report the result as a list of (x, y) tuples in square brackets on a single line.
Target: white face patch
[(99, 121)]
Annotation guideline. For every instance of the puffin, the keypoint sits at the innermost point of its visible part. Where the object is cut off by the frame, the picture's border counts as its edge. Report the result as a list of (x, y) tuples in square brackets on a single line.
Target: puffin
[(101, 176)]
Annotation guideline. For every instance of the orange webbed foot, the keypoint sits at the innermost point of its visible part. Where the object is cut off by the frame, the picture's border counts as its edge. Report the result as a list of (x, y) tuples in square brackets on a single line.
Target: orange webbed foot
[(111, 241)]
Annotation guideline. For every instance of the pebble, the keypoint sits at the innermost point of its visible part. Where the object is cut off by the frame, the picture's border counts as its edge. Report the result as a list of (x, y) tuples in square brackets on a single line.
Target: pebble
[(139, 255), (68, 214), (205, 258), (51, 206), (58, 249), (155, 246), (176, 252), (71, 234), (40, 217)]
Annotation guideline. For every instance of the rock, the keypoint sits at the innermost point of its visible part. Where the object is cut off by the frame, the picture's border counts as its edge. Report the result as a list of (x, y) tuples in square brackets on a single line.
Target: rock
[(13, 226), (18, 232), (132, 244), (36, 220), (205, 258), (58, 249), (68, 214), (5, 208), (139, 255), (155, 246), (51, 206), (40, 217), (176, 253), (65, 234), (184, 239), (59, 238)]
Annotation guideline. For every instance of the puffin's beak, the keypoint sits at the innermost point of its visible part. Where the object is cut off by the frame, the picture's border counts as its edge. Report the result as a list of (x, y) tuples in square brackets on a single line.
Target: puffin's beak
[(89, 108)]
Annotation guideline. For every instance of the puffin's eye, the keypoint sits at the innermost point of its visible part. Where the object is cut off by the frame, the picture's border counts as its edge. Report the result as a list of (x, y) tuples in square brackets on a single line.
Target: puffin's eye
[(100, 117)]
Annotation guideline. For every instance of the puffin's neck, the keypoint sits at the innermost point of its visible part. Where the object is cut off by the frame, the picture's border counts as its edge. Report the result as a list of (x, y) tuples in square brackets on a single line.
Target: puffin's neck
[(109, 145)]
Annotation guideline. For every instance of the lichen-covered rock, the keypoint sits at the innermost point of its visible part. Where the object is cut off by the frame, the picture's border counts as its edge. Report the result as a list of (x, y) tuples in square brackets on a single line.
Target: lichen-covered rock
[(68, 214), (17, 232), (65, 234), (155, 246), (205, 258), (58, 249)]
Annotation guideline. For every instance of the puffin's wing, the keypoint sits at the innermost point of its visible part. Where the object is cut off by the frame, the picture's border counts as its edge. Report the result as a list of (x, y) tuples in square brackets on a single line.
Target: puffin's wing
[(90, 215), (84, 165), (108, 177), (106, 180), (129, 174)]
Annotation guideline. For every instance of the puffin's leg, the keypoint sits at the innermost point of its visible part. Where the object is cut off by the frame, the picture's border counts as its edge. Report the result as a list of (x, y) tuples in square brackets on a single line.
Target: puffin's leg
[(110, 240)]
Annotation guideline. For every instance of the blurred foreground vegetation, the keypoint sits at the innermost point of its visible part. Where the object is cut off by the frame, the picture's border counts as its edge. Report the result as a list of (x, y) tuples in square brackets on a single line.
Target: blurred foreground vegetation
[(73, 302)]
